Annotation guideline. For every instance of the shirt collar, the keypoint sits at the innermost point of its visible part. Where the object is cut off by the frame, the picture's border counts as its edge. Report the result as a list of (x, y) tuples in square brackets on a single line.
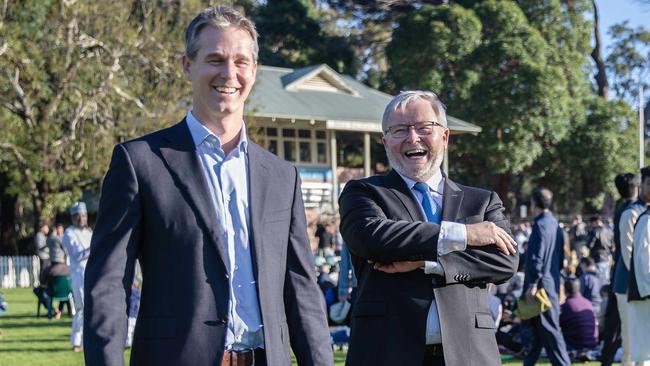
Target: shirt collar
[(199, 133), (435, 183)]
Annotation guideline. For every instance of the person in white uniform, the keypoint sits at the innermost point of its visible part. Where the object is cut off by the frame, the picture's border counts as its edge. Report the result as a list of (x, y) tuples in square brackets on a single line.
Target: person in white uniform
[(76, 242)]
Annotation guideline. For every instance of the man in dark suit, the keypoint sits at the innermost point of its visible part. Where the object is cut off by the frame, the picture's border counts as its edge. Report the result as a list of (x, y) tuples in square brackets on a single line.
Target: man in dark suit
[(424, 249), (218, 226), (544, 257)]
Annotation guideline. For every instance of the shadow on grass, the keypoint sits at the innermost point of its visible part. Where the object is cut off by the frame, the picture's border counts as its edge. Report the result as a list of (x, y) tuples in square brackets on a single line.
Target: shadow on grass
[(15, 325), (39, 340), (49, 350)]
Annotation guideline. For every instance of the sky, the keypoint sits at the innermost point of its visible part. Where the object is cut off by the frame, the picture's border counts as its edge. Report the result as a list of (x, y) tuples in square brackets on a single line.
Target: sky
[(616, 11)]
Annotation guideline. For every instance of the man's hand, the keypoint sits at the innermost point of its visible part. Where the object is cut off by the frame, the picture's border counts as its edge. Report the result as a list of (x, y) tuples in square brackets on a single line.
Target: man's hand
[(397, 267), (344, 297), (488, 233), (530, 294)]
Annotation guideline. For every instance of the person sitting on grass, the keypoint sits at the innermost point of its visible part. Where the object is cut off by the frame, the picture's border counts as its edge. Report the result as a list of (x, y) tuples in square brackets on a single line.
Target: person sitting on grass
[(578, 322)]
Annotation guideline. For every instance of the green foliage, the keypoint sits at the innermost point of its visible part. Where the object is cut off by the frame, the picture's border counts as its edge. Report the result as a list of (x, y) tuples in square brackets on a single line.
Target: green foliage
[(629, 60), (77, 78), (582, 167), (520, 71), (291, 35)]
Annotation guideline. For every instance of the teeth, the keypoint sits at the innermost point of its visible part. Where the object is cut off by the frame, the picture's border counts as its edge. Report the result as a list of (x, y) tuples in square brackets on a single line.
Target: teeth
[(225, 89), (410, 153)]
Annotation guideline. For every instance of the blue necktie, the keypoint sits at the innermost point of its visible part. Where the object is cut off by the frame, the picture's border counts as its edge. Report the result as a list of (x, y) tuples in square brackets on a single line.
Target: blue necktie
[(430, 207)]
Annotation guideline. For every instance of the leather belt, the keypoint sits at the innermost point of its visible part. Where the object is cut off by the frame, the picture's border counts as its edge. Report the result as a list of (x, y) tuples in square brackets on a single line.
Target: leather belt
[(247, 357)]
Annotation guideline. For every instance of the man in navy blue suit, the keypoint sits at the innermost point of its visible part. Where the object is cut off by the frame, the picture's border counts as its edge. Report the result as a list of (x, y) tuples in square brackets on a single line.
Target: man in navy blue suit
[(544, 258)]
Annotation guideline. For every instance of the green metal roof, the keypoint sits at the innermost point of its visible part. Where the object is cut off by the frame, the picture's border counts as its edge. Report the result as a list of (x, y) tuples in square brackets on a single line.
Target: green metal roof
[(286, 93)]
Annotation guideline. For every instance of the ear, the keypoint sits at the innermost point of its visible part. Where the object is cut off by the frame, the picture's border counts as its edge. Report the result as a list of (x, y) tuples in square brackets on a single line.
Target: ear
[(445, 137), (187, 64), (255, 71)]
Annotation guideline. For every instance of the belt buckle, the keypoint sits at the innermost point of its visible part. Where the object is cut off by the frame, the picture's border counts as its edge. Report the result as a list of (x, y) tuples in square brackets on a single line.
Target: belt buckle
[(244, 352)]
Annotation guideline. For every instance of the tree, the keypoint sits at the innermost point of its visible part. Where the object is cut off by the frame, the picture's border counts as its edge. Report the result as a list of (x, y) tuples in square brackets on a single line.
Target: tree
[(70, 88), (292, 36), (492, 68), (582, 167), (629, 63)]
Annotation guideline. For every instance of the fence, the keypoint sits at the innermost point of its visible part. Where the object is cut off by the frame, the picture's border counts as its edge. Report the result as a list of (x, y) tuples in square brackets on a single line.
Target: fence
[(19, 271)]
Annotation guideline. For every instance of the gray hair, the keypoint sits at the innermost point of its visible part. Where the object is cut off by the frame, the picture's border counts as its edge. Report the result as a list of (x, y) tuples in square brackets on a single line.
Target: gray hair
[(406, 97), (220, 17)]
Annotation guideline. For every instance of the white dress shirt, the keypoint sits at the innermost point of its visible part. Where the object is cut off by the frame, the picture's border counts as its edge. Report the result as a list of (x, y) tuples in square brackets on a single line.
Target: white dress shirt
[(227, 176)]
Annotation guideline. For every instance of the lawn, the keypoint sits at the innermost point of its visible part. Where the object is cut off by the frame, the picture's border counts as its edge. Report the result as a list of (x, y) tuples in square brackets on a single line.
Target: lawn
[(27, 340)]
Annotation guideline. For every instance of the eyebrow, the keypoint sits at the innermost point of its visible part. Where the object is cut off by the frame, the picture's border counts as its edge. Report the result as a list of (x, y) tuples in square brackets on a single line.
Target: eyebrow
[(221, 55)]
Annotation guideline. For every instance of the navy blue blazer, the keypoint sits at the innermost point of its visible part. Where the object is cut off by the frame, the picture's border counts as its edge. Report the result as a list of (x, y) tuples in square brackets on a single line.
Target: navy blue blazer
[(544, 256), (155, 206)]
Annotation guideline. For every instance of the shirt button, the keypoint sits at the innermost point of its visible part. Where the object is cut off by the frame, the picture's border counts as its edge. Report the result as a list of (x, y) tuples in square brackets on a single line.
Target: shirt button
[(236, 267)]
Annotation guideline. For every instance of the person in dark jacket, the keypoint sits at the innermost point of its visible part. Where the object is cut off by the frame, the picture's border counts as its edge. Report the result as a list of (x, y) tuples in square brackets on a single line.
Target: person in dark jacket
[(544, 258), (578, 321)]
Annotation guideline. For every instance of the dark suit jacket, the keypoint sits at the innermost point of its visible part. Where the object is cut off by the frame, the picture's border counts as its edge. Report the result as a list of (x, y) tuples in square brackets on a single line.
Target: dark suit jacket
[(382, 221), (544, 257), (155, 206)]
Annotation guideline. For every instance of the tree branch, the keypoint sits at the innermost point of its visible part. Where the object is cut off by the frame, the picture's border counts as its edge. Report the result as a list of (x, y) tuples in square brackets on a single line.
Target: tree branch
[(26, 112), (70, 68)]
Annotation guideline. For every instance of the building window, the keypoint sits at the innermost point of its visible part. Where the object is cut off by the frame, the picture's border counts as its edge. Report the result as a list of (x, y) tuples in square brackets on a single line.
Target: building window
[(298, 144)]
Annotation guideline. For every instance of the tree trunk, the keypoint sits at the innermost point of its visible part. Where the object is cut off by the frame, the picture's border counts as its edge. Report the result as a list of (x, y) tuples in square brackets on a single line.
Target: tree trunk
[(597, 56), (8, 202), (38, 200), (502, 190)]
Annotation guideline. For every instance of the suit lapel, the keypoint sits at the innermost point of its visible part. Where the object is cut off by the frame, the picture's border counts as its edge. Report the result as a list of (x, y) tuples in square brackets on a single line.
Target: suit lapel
[(404, 195), (451, 201), (258, 191), (179, 153)]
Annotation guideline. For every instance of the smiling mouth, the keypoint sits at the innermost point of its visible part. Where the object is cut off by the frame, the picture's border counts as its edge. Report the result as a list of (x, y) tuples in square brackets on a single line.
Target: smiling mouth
[(415, 153), (225, 89)]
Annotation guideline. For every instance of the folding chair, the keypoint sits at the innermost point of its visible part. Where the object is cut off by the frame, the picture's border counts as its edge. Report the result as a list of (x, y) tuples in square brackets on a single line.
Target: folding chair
[(61, 291)]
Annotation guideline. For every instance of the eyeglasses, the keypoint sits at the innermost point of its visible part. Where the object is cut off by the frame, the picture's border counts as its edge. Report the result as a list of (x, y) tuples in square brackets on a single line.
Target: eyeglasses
[(421, 128)]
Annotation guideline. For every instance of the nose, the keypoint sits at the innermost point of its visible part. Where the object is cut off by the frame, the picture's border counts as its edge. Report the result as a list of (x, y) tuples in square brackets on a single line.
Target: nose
[(229, 70), (412, 135)]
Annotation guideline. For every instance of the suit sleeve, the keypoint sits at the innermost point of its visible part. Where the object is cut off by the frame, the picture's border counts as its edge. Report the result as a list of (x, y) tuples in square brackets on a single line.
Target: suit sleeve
[(304, 303), (109, 272), (486, 264), (627, 222), (371, 235)]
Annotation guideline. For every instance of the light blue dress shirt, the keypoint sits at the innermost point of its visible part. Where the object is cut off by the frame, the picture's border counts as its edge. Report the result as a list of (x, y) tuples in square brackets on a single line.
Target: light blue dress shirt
[(452, 237), (227, 176)]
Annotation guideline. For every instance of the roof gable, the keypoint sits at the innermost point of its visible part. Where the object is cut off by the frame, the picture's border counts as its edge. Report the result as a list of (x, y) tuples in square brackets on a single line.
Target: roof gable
[(317, 78)]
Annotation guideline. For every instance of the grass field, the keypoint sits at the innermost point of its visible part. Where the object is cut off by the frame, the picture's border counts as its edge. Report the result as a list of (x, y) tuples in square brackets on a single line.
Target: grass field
[(30, 341)]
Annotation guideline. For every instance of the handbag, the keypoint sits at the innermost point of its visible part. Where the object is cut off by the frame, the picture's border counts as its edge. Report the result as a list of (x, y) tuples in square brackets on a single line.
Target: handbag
[(526, 310)]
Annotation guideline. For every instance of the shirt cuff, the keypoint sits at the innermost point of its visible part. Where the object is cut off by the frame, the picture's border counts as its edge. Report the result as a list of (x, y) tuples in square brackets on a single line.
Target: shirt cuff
[(433, 268), (452, 237)]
